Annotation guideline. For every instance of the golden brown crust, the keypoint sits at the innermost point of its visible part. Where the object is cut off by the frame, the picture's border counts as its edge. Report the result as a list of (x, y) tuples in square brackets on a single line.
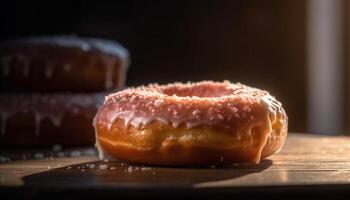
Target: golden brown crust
[(161, 144), (62, 63)]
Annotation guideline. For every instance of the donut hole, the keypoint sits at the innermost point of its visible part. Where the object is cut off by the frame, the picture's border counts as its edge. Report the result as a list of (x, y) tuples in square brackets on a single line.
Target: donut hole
[(203, 90)]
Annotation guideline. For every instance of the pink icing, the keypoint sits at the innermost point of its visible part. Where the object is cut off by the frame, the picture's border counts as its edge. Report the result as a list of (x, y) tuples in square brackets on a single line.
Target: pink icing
[(227, 105)]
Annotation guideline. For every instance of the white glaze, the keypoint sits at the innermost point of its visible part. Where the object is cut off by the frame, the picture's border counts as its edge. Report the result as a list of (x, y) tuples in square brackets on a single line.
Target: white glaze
[(108, 47), (267, 129), (176, 123), (109, 65), (51, 107)]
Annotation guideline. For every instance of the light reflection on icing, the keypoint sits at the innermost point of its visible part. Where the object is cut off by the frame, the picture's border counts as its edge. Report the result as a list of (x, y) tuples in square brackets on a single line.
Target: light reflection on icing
[(192, 124), (176, 123), (161, 119)]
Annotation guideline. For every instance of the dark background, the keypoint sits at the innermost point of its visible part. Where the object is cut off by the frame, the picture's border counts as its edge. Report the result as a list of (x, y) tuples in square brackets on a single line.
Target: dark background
[(259, 43)]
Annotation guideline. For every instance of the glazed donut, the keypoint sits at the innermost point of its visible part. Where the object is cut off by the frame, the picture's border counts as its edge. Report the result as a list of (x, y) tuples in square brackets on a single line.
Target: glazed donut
[(40, 120), (62, 64), (205, 123)]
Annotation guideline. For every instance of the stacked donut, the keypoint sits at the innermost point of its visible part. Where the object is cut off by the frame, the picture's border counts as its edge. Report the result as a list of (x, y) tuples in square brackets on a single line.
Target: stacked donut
[(51, 88)]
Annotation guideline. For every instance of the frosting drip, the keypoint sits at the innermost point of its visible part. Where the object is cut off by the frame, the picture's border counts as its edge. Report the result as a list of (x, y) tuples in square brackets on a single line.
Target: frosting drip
[(21, 51), (70, 41), (51, 107)]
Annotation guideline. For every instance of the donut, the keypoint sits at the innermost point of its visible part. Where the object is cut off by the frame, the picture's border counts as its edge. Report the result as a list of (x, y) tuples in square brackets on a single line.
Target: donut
[(62, 64), (42, 120), (203, 123)]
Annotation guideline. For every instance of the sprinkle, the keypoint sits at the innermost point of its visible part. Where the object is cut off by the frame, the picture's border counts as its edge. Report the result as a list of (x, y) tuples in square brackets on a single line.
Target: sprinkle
[(129, 169), (89, 152), (56, 147), (246, 108), (159, 102), (75, 154), (146, 168), (38, 156), (133, 98), (60, 154), (196, 112), (103, 167)]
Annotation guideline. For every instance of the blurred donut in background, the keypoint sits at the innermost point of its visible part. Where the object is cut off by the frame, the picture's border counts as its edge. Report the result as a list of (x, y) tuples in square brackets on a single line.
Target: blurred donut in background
[(51, 88), (62, 63)]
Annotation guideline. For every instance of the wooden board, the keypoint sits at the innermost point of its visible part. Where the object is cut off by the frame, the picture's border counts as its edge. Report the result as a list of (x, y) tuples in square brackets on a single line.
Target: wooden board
[(307, 163)]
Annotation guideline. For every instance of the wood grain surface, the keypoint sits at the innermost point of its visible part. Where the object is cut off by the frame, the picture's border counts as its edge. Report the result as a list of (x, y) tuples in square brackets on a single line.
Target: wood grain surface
[(308, 164)]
